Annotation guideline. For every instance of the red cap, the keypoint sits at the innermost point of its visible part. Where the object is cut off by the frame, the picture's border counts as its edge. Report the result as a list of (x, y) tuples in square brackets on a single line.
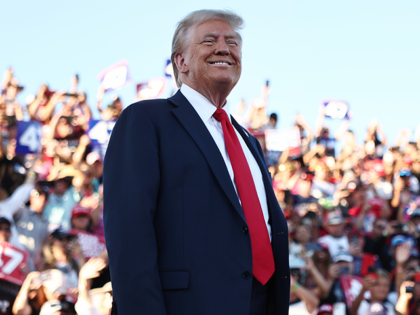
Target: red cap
[(378, 167), (79, 210), (407, 159), (417, 277)]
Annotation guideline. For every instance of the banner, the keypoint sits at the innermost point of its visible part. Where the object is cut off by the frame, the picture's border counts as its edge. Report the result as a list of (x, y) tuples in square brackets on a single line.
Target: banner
[(11, 258), (282, 139), (154, 88), (100, 132), (169, 71), (28, 137), (351, 286), (336, 109), (115, 77), (92, 245)]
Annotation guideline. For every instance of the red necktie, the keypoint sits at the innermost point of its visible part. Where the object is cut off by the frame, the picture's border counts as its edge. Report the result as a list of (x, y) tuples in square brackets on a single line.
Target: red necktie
[(262, 253)]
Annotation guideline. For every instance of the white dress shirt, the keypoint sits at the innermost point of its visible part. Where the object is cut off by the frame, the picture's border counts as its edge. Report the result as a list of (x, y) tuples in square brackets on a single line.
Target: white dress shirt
[(205, 109)]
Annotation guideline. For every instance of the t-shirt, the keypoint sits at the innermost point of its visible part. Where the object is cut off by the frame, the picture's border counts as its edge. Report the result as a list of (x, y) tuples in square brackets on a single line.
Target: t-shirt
[(32, 229), (364, 307), (329, 145), (298, 308), (335, 244)]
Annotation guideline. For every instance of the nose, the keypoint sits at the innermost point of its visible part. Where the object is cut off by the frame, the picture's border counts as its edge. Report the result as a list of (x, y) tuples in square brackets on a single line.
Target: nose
[(222, 48)]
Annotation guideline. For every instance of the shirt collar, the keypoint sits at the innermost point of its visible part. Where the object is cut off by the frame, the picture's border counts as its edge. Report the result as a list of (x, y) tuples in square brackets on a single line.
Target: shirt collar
[(204, 108)]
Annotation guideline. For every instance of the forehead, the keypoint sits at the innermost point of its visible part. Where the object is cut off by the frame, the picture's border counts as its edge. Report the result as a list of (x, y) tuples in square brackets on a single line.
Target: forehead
[(214, 27)]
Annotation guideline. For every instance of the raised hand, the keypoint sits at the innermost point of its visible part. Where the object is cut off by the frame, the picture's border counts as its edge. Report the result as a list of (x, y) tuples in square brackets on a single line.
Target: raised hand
[(402, 253), (92, 268)]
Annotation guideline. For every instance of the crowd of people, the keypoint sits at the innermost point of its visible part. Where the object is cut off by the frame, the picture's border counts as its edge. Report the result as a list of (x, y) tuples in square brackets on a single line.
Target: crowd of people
[(353, 213)]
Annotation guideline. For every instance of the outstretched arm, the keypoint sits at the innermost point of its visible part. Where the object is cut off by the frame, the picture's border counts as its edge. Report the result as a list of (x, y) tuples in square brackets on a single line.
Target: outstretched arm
[(131, 186)]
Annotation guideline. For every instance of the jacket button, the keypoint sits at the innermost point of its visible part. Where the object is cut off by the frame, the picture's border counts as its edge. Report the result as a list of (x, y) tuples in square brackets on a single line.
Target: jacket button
[(245, 230), (246, 275)]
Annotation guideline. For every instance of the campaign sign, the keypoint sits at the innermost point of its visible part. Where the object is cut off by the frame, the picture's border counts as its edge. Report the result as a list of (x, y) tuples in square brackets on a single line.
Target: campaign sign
[(115, 76), (336, 109), (29, 135), (11, 258), (351, 286), (92, 245), (282, 139), (154, 88), (100, 132), (169, 70)]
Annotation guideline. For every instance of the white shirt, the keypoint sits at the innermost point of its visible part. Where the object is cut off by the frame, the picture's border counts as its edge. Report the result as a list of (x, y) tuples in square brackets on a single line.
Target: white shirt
[(205, 109), (364, 308), (11, 205), (335, 244)]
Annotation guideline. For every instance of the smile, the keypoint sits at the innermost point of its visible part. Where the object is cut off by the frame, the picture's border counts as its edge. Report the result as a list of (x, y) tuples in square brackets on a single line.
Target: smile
[(221, 63)]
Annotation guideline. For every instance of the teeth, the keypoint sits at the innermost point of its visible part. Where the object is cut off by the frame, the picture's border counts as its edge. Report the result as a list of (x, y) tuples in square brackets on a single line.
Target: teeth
[(220, 63)]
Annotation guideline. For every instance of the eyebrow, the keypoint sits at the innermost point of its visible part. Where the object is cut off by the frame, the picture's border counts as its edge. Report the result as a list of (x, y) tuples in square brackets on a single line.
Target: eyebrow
[(229, 36)]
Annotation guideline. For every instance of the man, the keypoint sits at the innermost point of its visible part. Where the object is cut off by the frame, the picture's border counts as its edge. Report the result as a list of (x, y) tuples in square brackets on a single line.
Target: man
[(8, 290), (335, 240), (192, 224), (31, 225), (62, 200)]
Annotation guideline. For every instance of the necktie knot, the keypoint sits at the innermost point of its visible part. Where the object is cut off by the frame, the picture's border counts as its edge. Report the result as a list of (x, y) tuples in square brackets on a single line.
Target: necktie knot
[(220, 115)]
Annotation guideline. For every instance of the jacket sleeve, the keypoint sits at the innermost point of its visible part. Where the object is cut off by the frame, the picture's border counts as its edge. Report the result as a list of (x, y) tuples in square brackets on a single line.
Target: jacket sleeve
[(131, 185)]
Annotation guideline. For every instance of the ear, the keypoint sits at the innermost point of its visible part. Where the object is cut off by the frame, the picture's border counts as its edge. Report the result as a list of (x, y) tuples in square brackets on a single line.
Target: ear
[(181, 63)]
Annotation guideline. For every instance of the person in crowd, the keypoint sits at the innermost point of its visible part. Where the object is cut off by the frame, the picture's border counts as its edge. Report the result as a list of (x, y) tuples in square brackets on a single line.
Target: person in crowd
[(322, 133), (302, 300), (63, 252), (8, 290), (375, 139), (47, 292), (376, 243), (63, 199), (31, 224), (342, 264), (93, 301), (362, 262), (113, 111), (336, 241), (9, 206), (378, 283)]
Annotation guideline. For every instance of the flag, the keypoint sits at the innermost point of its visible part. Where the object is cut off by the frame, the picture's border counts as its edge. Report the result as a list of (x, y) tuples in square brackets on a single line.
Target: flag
[(154, 88), (169, 71), (115, 76), (336, 109)]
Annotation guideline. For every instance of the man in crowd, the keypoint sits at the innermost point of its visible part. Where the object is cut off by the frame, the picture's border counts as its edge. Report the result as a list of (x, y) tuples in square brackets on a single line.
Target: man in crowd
[(31, 225), (214, 248), (336, 241)]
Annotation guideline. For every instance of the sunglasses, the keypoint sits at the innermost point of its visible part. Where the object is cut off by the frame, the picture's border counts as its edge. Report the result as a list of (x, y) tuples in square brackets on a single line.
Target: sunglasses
[(380, 227), (7, 229)]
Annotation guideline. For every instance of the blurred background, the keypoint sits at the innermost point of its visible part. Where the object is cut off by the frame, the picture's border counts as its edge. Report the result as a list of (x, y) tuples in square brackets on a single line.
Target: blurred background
[(361, 52)]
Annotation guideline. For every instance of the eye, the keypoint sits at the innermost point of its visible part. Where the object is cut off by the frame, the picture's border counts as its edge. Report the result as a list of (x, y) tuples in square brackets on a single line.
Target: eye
[(232, 43)]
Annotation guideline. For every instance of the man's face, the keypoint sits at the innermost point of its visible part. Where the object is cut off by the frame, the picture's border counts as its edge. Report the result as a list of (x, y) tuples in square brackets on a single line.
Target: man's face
[(4, 232), (213, 55), (335, 230), (381, 289), (379, 228)]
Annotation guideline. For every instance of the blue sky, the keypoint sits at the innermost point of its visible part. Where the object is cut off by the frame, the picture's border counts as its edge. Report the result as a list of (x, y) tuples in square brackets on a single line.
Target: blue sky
[(364, 52)]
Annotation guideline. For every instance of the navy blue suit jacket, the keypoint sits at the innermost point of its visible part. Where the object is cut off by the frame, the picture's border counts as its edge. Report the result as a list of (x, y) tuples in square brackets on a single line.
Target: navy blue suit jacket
[(175, 231)]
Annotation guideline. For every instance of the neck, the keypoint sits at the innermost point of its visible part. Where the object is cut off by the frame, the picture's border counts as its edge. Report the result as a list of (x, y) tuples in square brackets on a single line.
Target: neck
[(215, 93)]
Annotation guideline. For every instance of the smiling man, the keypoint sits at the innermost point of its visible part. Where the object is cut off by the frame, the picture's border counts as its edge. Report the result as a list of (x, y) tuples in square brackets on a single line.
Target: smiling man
[(192, 224)]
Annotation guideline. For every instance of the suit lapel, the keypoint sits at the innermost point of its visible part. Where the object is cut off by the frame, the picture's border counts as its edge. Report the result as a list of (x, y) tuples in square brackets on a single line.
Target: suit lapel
[(193, 124)]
